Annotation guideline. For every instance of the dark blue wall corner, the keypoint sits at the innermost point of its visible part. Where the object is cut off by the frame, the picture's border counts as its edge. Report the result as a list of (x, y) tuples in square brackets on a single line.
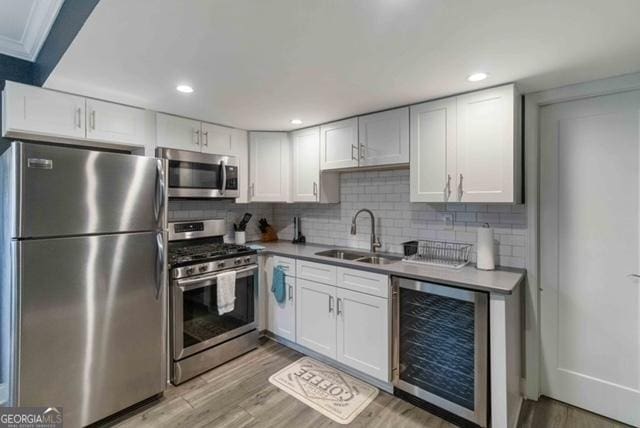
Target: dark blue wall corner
[(15, 69), (68, 23)]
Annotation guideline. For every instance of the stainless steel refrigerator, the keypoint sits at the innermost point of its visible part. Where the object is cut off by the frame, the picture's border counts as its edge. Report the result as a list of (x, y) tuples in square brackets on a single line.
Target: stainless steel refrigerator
[(83, 279)]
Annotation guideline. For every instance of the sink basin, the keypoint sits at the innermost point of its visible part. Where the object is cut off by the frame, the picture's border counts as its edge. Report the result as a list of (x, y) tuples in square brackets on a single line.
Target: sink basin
[(341, 254), (359, 257), (378, 260)]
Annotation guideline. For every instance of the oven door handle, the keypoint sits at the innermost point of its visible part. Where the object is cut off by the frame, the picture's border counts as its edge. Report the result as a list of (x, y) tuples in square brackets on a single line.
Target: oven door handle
[(223, 170), (203, 281)]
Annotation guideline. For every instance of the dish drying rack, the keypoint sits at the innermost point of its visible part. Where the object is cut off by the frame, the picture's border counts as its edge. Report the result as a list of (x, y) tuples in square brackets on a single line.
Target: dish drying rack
[(437, 253)]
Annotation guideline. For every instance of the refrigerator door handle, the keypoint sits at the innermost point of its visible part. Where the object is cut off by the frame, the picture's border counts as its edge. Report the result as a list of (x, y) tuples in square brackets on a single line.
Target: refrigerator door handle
[(160, 270), (160, 190)]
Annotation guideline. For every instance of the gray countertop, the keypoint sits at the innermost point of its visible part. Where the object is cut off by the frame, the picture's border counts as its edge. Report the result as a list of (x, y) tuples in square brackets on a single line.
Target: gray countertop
[(501, 281)]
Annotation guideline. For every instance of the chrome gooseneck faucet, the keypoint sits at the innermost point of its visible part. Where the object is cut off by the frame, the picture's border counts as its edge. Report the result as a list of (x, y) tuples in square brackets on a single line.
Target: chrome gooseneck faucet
[(375, 242)]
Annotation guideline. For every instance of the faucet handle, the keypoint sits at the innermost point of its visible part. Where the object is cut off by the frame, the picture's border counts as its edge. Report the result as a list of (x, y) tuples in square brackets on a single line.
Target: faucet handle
[(376, 243)]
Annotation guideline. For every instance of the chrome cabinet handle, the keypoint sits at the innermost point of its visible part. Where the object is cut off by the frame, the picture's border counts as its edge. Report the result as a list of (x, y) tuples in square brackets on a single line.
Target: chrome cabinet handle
[(290, 293), (339, 307), (252, 189), (330, 304), (205, 142), (315, 189), (92, 118), (447, 188), (634, 275), (79, 117), (355, 158), (460, 188), (197, 134), (362, 151)]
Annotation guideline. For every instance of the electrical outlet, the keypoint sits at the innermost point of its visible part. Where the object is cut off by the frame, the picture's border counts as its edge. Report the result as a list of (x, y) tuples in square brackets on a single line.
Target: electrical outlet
[(447, 220)]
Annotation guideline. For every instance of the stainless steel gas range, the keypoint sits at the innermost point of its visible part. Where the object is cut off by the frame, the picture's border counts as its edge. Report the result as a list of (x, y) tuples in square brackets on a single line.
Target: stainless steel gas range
[(201, 338)]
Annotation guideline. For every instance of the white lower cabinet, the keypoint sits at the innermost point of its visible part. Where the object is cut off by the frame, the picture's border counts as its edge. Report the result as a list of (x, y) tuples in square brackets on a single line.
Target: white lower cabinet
[(282, 316), (316, 317), (363, 332)]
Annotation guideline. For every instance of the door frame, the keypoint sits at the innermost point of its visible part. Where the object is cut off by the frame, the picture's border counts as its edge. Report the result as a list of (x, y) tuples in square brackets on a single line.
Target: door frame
[(532, 104)]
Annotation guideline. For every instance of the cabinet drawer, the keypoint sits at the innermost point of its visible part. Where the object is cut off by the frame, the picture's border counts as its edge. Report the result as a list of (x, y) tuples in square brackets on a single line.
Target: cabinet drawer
[(364, 282), (288, 264), (318, 272)]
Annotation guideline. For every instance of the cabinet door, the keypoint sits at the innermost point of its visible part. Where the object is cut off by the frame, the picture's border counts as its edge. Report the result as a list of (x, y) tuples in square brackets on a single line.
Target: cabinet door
[(315, 317), (177, 132), (115, 123), (433, 151), (339, 144), (37, 111), (217, 140), (240, 149), (282, 316), (486, 146), (306, 165), (363, 333), (269, 166), (384, 137)]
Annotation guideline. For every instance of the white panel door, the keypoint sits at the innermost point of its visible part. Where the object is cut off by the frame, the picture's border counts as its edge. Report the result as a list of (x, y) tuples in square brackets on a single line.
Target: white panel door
[(306, 165), (177, 132), (590, 303), (433, 151), (384, 137), (115, 123), (316, 317), (269, 164), (363, 333), (217, 140), (38, 111), (282, 316), (485, 145), (339, 144)]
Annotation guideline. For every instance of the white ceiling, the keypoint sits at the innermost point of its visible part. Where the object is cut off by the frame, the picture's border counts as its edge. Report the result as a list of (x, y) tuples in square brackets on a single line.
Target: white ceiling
[(256, 64), (25, 25)]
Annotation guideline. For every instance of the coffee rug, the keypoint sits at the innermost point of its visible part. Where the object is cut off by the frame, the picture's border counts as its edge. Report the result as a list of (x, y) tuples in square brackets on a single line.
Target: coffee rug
[(329, 391)]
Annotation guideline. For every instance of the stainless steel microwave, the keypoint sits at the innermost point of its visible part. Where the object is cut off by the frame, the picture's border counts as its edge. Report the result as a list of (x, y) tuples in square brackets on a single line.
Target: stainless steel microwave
[(200, 175)]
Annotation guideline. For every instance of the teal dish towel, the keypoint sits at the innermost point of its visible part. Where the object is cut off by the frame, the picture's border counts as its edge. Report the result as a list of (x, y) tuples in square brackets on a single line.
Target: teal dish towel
[(277, 286)]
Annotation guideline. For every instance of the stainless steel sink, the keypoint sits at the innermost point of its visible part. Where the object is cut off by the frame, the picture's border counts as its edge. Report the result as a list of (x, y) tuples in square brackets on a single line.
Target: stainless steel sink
[(378, 260), (359, 257), (341, 254)]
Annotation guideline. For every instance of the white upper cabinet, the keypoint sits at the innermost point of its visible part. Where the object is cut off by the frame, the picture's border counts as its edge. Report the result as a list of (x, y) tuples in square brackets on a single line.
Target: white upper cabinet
[(178, 133), (433, 151), (467, 148), (363, 333), (488, 146), (217, 140), (29, 110), (339, 144), (306, 165), (269, 164), (114, 122), (240, 149), (384, 137)]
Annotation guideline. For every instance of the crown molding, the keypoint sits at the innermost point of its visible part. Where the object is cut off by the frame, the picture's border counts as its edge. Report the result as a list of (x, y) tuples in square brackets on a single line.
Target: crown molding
[(36, 29)]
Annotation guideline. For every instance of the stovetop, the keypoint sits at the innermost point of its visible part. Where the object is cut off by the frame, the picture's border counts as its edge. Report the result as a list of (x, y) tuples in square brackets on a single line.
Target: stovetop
[(182, 255)]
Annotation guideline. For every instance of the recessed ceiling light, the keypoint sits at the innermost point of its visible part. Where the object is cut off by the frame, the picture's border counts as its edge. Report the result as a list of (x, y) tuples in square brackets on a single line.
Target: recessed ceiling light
[(296, 122), (184, 88), (476, 77)]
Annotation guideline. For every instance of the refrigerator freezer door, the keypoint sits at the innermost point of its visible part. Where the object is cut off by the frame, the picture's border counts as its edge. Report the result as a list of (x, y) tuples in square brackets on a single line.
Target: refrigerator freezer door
[(67, 191), (92, 320)]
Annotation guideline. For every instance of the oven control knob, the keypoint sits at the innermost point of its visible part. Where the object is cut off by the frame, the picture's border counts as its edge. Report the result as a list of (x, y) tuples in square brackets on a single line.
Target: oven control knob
[(247, 259), (189, 271), (237, 261), (203, 268), (221, 264)]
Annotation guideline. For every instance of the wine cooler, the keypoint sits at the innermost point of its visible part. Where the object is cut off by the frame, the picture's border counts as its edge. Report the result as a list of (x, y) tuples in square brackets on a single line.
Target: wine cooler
[(440, 350)]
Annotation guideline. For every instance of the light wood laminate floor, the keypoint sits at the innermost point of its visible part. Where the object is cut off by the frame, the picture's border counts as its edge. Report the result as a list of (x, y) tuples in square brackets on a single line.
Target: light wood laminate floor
[(238, 394)]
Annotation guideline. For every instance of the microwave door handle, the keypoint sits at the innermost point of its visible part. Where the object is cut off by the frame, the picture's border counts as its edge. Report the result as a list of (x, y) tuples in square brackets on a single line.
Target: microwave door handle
[(223, 169)]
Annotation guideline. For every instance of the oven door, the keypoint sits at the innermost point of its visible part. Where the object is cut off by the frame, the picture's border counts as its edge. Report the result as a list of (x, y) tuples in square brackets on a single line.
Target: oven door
[(196, 323), (200, 175)]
